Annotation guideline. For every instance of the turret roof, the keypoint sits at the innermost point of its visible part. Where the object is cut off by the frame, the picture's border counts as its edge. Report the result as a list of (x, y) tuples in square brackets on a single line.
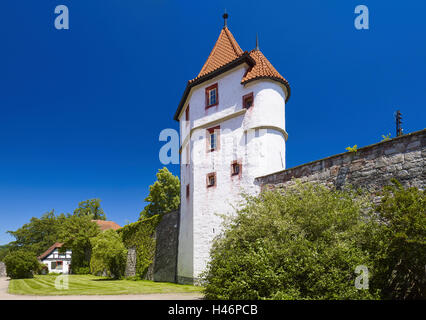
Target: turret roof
[(227, 54)]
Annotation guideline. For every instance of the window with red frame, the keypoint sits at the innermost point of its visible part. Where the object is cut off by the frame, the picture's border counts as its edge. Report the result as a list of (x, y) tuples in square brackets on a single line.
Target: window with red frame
[(212, 96), (211, 179), (248, 100), (235, 168), (213, 139)]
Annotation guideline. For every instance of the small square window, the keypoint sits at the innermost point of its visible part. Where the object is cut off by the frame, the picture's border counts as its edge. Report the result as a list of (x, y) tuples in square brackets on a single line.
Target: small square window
[(235, 168), (213, 135), (248, 100), (211, 179), (212, 96)]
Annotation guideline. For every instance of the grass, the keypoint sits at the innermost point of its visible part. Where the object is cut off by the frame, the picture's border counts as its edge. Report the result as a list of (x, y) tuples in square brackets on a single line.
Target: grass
[(44, 285)]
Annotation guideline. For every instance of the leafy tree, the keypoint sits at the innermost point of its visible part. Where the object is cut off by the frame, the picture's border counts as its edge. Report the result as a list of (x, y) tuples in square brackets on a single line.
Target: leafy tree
[(4, 250), (21, 264), (304, 243), (39, 234), (164, 195), (108, 254), (91, 208), (401, 270), (76, 233)]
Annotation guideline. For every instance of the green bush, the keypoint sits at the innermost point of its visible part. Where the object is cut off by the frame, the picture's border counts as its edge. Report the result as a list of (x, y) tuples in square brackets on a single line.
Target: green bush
[(304, 243), (108, 254), (43, 269), (81, 270), (401, 267), (21, 264)]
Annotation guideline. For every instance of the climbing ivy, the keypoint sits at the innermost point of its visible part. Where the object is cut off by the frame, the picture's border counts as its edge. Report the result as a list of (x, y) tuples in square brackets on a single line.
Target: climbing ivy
[(140, 235)]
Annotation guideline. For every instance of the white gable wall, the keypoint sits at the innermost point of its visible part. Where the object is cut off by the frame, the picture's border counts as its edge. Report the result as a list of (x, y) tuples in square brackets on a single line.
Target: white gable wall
[(56, 256)]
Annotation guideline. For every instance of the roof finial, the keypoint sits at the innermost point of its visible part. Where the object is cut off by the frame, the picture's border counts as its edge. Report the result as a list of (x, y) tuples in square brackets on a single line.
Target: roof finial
[(257, 42), (225, 18)]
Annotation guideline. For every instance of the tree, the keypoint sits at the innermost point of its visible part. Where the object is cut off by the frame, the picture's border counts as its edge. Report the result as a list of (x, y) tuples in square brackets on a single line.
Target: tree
[(108, 254), (39, 234), (401, 270), (4, 250), (21, 264), (304, 243), (164, 195), (76, 233), (91, 208)]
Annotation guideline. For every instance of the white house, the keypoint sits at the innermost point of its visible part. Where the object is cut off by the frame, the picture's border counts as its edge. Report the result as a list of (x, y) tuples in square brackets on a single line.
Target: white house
[(232, 128), (56, 260)]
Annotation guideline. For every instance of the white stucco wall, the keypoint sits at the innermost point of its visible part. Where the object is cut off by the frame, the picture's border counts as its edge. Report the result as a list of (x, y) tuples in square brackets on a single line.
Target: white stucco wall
[(256, 137)]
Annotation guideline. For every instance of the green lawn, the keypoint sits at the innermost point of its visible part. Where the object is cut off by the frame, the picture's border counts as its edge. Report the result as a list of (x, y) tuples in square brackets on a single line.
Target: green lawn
[(92, 285)]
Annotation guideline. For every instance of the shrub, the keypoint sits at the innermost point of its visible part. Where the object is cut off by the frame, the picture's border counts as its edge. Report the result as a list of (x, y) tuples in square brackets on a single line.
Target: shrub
[(108, 254), (302, 244), (21, 264), (401, 268), (81, 270)]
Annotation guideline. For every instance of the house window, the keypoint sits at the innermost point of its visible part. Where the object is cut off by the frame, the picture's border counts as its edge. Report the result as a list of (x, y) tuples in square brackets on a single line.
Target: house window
[(53, 265), (59, 265), (187, 190), (235, 168), (248, 100), (213, 136), (212, 96), (211, 179)]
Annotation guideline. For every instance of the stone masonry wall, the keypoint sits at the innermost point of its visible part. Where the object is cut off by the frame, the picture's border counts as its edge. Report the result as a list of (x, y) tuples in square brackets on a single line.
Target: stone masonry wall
[(131, 262), (165, 260), (370, 167), (164, 266), (2, 269)]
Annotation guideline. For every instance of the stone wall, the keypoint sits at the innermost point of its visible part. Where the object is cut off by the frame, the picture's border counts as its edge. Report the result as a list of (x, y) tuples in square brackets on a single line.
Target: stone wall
[(370, 167), (131, 262), (165, 260), (164, 266), (2, 269)]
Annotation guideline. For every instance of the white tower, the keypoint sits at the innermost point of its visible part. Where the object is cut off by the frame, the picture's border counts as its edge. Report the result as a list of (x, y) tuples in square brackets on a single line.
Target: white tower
[(232, 128)]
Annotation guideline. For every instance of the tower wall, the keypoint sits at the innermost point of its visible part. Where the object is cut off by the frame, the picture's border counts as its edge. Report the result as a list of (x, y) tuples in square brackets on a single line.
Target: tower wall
[(254, 137)]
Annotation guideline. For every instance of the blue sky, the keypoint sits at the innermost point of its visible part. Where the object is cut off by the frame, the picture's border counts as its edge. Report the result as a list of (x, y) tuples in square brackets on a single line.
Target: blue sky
[(81, 109)]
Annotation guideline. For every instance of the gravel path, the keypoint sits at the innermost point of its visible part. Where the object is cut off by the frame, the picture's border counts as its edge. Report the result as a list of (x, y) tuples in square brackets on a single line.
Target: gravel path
[(4, 283)]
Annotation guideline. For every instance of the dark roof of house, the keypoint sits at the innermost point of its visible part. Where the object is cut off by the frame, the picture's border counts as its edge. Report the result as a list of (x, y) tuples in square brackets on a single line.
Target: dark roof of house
[(49, 251)]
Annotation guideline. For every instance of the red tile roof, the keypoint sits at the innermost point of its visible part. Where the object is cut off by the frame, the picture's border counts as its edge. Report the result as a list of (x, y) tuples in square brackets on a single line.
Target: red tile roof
[(227, 53), (105, 225), (263, 69), (49, 251), (225, 50)]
